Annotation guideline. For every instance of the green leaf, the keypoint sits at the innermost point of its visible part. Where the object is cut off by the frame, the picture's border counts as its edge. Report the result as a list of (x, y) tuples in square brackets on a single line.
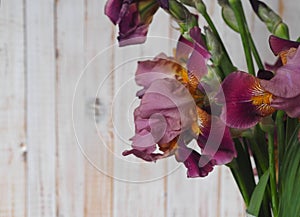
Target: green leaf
[(289, 191), (258, 194)]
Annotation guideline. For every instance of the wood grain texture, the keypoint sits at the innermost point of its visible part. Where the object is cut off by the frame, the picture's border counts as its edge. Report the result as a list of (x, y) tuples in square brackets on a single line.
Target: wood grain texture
[(12, 110), (41, 132), (97, 127), (142, 183), (70, 63), (50, 167)]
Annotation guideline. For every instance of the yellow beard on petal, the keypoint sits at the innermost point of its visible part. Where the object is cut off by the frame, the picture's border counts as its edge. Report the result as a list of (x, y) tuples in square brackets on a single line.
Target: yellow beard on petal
[(203, 120), (287, 53), (169, 147), (262, 100)]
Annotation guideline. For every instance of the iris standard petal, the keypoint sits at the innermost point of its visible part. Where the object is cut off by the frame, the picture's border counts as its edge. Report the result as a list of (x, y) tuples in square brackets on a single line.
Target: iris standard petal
[(286, 82), (159, 68), (196, 64), (278, 44)]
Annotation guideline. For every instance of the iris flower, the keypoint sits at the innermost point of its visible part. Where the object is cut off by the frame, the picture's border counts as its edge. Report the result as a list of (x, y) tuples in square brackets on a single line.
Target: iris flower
[(133, 18), (168, 117), (285, 85), (249, 98)]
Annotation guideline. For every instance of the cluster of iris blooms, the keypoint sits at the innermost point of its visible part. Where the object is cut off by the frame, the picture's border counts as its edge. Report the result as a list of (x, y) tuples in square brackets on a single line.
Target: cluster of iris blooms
[(247, 114)]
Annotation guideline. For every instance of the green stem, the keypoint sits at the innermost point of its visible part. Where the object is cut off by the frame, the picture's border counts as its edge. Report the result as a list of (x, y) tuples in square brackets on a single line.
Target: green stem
[(273, 186), (236, 172), (257, 58), (262, 161), (291, 124), (237, 8), (226, 65), (280, 136), (215, 31), (242, 171)]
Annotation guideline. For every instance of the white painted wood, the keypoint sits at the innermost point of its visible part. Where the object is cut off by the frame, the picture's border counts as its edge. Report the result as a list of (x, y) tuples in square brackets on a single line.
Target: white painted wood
[(12, 110), (289, 11), (61, 38), (70, 62), (41, 78), (97, 127), (144, 196)]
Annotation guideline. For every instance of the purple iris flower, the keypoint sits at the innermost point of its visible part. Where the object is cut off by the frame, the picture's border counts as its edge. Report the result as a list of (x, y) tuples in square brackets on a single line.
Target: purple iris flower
[(246, 101), (249, 98), (133, 18), (285, 85), (168, 118)]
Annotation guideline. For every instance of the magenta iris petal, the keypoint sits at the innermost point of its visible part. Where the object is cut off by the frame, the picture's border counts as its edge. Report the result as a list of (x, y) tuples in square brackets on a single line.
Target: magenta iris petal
[(275, 66), (184, 49), (290, 105), (132, 28), (221, 151), (164, 4), (113, 9), (278, 44), (197, 61), (239, 112), (285, 83), (143, 155), (191, 160), (200, 47), (166, 110), (151, 70), (197, 65)]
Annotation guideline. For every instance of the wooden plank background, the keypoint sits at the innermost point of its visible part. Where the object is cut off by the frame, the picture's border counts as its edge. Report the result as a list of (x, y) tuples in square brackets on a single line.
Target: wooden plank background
[(60, 155)]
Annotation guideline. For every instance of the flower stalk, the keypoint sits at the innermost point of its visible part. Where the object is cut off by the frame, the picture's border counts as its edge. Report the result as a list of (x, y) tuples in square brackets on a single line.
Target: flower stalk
[(273, 185), (239, 14)]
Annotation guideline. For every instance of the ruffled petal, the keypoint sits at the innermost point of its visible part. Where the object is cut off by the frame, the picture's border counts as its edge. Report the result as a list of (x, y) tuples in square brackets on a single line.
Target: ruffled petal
[(191, 160), (143, 155), (278, 44), (165, 112), (159, 68), (286, 82), (246, 102)]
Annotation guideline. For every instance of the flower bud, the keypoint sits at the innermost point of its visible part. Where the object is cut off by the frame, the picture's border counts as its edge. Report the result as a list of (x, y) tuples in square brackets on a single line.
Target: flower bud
[(228, 15), (282, 31), (214, 46), (182, 15), (272, 20), (200, 6)]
